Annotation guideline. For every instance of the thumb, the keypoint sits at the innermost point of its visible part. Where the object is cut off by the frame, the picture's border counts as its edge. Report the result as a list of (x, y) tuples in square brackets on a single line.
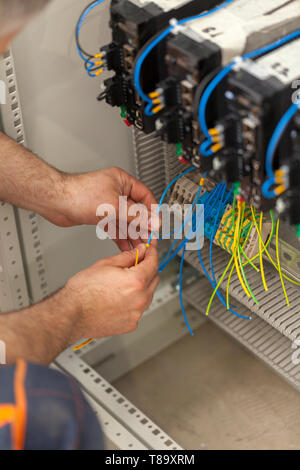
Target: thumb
[(128, 259)]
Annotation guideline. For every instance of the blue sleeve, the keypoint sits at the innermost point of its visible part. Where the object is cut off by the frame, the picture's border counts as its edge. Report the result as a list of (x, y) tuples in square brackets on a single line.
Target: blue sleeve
[(56, 413)]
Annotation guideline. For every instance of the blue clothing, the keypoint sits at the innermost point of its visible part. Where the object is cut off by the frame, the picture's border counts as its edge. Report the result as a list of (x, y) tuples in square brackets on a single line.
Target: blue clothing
[(49, 411)]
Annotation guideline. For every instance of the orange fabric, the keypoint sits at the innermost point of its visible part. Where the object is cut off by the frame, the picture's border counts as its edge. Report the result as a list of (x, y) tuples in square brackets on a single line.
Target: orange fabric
[(21, 405), (7, 414)]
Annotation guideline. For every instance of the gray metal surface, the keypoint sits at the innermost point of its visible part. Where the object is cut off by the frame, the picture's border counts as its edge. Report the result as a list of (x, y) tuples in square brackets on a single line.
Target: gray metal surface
[(149, 155), (257, 335), (27, 222), (13, 287), (140, 425)]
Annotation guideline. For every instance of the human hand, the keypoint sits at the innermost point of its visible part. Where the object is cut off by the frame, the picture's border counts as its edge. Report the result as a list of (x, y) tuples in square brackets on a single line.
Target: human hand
[(84, 193), (111, 296)]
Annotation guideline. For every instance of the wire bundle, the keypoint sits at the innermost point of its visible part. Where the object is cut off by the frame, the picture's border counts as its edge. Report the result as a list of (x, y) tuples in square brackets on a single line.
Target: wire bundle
[(94, 63), (237, 223)]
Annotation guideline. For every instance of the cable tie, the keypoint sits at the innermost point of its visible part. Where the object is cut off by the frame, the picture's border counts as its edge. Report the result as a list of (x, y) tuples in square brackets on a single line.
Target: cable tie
[(176, 28)]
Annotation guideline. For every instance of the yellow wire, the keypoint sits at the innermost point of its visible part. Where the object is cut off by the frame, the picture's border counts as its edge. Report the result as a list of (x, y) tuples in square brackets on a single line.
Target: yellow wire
[(260, 251), (248, 260), (137, 258), (236, 261), (90, 340), (228, 285), (231, 272), (268, 255), (227, 267), (279, 265), (82, 344), (232, 269)]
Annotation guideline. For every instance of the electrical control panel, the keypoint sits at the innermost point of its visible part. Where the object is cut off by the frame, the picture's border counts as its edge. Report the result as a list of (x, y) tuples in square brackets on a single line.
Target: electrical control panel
[(215, 81), (258, 94), (133, 24), (204, 46)]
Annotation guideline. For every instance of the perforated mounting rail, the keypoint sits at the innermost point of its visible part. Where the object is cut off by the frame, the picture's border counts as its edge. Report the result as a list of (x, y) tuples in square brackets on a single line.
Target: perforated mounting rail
[(257, 335), (272, 305)]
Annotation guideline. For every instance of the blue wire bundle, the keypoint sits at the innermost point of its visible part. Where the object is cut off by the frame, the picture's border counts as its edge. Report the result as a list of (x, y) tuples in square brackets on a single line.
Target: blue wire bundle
[(215, 204), (87, 60)]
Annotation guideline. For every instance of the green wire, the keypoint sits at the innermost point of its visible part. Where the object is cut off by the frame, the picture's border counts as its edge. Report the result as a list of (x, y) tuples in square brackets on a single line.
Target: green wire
[(249, 260), (245, 278), (270, 238)]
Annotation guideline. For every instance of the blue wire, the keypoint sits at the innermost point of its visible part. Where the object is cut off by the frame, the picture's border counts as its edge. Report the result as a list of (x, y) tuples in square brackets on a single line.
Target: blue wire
[(281, 127), (162, 267), (154, 43), (166, 192), (165, 262), (221, 75), (180, 292), (79, 25), (214, 231)]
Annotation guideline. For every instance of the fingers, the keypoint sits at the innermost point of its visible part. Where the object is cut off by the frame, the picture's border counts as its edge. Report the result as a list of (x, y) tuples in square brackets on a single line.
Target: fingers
[(127, 259), (140, 193), (147, 268)]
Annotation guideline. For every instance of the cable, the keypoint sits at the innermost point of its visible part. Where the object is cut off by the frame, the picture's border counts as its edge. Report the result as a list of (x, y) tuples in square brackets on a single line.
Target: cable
[(85, 56), (245, 278), (180, 292), (211, 260), (137, 258), (219, 295), (236, 254), (273, 144), (279, 265), (268, 242), (221, 75), (271, 260), (154, 42), (260, 251), (201, 88), (228, 266), (80, 346)]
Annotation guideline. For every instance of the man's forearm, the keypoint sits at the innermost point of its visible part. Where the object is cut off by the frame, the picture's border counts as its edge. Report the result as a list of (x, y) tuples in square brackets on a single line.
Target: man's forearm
[(26, 181), (39, 333)]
